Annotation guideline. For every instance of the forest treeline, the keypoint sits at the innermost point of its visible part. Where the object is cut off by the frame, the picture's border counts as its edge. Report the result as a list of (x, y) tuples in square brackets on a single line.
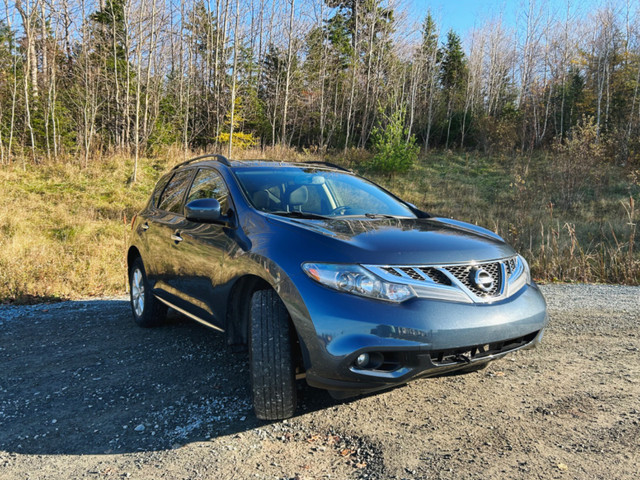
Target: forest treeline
[(79, 77)]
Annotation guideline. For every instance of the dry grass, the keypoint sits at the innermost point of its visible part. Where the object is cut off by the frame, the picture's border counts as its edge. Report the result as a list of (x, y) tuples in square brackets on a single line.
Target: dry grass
[(592, 241), (63, 228), (561, 255)]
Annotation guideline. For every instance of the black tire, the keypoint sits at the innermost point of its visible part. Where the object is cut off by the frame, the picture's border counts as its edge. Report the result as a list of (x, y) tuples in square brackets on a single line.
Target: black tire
[(147, 310), (271, 358)]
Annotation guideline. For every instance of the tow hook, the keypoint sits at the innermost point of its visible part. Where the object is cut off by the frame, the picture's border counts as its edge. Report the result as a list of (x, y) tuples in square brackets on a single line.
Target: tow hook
[(461, 357)]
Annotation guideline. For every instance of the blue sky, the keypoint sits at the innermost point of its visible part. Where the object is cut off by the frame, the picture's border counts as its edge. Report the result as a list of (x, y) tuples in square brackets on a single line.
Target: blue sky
[(462, 15)]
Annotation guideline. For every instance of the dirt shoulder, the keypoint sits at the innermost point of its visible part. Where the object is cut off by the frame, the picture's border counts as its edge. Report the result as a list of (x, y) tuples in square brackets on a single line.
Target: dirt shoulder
[(86, 394)]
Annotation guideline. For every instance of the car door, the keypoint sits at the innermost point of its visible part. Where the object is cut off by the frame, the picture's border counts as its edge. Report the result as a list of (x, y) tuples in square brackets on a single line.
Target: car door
[(208, 251), (147, 217), (163, 238)]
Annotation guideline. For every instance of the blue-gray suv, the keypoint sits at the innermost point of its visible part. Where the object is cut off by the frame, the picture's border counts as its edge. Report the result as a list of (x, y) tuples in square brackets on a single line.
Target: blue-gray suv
[(326, 276)]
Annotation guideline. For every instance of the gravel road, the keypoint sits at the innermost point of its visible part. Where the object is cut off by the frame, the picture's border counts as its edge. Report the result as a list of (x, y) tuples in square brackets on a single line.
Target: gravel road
[(86, 394)]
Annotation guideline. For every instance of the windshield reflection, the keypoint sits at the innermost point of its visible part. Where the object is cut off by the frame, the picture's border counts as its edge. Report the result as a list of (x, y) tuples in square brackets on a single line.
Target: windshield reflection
[(296, 191)]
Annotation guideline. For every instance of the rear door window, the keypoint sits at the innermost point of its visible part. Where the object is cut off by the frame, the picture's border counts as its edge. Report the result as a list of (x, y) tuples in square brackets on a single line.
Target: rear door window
[(171, 200), (209, 184)]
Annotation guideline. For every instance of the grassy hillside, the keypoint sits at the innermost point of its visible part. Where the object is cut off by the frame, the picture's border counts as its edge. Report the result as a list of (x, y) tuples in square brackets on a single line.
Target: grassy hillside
[(64, 228)]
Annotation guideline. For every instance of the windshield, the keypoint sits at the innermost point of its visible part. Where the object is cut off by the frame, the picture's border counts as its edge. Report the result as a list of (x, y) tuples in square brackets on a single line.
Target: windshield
[(316, 193)]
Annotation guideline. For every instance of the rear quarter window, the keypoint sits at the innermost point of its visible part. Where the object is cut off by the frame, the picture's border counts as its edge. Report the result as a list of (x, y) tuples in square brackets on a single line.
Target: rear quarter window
[(155, 196), (171, 199)]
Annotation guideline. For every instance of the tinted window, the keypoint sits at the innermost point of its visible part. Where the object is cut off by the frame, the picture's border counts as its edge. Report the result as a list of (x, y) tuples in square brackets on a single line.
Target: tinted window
[(317, 191), (171, 199), (159, 188), (209, 184), (362, 199)]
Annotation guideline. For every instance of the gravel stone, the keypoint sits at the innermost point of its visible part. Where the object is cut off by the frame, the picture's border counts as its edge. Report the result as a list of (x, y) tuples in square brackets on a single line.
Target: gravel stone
[(77, 376)]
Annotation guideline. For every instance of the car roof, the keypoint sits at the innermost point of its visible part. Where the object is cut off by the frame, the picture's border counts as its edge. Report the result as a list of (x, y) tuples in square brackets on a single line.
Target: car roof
[(216, 160)]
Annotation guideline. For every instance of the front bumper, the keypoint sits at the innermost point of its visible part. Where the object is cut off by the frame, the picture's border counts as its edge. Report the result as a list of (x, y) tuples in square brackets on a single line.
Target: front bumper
[(420, 337), (418, 363)]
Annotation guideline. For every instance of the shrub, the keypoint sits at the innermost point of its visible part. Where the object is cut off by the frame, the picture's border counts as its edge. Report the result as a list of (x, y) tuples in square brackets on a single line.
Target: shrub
[(578, 163), (394, 152)]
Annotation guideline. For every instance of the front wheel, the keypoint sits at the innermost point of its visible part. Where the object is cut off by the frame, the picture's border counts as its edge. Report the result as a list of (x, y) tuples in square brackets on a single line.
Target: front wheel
[(271, 358), (147, 310)]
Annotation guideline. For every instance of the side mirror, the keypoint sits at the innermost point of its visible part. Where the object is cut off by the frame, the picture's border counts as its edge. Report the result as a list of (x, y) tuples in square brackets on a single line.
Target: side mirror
[(204, 210)]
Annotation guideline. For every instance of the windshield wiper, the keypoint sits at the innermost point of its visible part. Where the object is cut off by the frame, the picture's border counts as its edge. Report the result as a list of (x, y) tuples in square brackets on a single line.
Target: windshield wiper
[(296, 214), (380, 215)]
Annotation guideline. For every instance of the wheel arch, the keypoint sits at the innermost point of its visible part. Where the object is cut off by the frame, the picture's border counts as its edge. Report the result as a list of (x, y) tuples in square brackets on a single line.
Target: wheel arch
[(132, 254)]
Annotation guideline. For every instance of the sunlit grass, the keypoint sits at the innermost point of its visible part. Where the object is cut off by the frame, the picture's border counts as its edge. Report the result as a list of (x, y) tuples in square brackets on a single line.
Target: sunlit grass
[(594, 241), (63, 228)]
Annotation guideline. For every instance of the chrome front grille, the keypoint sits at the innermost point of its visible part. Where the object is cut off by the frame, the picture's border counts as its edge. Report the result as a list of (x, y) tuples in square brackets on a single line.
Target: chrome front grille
[(392, 271), (419, 274), (436, 275), (510, 265), (464, 273), (413, 273), (457, 282)]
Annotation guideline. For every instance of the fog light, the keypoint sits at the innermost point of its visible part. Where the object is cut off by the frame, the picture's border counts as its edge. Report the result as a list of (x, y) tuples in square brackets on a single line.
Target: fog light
[(362, 360)]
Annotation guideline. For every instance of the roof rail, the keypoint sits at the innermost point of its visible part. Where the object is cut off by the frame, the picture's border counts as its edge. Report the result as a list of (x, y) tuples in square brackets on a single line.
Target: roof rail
[(328, 164), (221, 158)]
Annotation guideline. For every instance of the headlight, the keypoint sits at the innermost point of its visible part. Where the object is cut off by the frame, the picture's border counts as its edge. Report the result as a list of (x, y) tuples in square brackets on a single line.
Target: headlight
[(358, 281), (527, 270), (520, 276)]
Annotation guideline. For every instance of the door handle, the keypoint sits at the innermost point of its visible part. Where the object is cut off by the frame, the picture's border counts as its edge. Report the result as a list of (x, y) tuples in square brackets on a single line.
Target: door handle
[(145, 226), (176, 237)]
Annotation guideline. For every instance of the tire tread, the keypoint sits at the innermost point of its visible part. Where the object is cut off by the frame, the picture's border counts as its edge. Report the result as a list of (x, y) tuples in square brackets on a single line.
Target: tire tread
[(272, 370)]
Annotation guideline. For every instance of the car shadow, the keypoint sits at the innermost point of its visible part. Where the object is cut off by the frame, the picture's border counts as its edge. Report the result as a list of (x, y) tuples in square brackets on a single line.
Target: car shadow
[(79, 377)]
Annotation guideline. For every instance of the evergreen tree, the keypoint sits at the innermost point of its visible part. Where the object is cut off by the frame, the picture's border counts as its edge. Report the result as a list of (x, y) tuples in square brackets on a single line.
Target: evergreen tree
[(428, 63), (429, 38), (453, 68), (453, 78), (393, 153)]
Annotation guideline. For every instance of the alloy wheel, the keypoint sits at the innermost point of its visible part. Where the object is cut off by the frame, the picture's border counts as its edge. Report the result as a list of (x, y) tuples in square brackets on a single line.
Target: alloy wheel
[(137, 292)]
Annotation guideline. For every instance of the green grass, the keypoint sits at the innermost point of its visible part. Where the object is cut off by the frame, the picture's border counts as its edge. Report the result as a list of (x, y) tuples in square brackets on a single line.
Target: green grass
[(64, 228)]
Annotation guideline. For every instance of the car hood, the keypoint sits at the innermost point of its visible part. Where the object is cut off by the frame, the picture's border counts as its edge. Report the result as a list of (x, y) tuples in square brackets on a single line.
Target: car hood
[(397, 241)]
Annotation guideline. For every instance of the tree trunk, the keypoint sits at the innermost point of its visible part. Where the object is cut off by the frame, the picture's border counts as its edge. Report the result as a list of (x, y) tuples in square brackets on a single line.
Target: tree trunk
[(354, 61), (283, 133), (236, 41)]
